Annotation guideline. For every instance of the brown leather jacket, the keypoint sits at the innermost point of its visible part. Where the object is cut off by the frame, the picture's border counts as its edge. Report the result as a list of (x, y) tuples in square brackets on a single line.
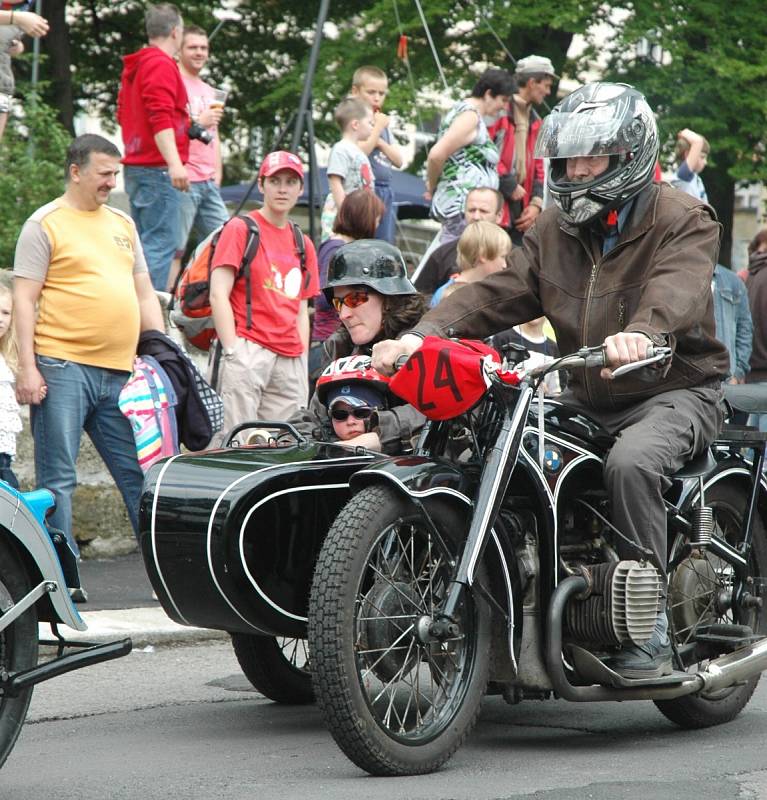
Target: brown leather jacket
[(657, 281)]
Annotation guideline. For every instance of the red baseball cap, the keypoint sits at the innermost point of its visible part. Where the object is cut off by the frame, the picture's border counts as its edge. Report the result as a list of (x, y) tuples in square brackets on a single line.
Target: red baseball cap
[(281, 159)]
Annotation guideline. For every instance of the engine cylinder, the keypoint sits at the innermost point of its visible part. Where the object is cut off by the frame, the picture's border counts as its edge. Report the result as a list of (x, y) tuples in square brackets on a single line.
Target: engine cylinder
[(620, 606)]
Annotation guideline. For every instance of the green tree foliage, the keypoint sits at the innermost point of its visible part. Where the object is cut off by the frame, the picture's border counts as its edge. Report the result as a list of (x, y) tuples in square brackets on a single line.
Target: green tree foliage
[(263, 55), (712, 78), (32, 155)]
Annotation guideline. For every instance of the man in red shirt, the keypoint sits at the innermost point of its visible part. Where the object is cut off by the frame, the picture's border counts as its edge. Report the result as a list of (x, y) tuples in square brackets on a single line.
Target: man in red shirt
[(520, 175), (152, 109), (263, 366)]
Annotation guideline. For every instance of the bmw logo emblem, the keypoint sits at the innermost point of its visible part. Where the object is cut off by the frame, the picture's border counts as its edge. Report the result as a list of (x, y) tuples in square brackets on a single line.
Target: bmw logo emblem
[(552, 459)]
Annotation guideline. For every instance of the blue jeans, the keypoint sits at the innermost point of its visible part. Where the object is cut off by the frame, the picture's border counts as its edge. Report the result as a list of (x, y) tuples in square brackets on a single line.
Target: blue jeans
[(387, 228), (202, 209), (156, 209), (80, 398)]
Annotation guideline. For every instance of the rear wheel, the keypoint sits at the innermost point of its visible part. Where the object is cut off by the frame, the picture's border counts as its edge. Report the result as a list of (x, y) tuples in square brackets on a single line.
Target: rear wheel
[(699, 591), (395, 702), (18, 646), (277, 666)]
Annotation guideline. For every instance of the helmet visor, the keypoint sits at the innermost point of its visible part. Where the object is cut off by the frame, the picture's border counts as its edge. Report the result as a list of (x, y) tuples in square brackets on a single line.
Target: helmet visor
[(567, 134)]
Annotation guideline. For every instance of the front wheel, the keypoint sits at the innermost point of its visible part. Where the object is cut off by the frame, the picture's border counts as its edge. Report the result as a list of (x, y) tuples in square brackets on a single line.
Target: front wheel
[(700, 591), (394, 703), (278, 667), (18, 646)]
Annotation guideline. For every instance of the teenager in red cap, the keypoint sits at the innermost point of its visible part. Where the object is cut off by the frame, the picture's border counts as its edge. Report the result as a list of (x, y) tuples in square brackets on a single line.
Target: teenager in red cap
[(262, 345)]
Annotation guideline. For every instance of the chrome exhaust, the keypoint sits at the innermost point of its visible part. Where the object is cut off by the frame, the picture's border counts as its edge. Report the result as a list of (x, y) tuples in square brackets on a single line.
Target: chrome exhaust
[(734, 667)]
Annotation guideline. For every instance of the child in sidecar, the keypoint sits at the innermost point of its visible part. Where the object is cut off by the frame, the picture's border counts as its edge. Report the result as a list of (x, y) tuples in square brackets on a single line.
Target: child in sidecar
[(353, 393)]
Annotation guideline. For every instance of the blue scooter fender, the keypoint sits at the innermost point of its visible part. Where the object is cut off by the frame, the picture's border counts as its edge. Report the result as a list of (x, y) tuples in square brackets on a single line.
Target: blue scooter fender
[(22, 515)]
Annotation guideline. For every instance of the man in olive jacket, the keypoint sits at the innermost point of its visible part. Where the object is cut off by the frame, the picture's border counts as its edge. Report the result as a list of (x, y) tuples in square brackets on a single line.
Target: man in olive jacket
[(625, 263)]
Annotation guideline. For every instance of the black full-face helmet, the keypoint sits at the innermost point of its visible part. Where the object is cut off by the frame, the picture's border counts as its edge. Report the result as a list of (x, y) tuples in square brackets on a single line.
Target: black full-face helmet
[(599, 119), (372, 263)]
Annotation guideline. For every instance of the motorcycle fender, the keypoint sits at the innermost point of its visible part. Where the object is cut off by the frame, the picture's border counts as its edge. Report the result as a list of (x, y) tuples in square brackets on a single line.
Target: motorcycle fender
[(734, 469), (414, 476), (424, 479), (37, 551)]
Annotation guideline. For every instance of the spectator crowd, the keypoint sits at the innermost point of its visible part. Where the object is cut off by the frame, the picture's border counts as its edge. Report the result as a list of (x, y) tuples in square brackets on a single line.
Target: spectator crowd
[(286, 316)]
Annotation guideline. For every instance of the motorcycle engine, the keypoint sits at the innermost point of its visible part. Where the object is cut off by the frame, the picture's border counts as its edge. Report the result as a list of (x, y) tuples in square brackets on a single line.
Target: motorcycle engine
[(620, 604)]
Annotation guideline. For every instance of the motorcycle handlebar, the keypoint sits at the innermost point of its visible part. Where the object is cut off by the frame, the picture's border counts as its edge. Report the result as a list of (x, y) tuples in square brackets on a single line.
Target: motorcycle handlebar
[(595, 357)]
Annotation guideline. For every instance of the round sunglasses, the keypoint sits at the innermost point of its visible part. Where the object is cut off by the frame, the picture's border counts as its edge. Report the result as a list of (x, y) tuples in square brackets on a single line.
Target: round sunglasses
[(365, 412), (351, 300)]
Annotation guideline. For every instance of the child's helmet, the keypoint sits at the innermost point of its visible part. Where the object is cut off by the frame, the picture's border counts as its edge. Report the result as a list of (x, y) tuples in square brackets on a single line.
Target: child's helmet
[(372, 263), (354, 380), (599, 119)]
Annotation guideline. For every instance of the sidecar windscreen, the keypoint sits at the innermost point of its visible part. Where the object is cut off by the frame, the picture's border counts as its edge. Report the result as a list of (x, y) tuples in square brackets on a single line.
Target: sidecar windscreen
[(444, 378)]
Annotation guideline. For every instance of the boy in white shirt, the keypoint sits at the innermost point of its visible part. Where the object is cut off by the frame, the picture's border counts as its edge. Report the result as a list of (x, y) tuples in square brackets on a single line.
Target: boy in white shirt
[(348, 167)]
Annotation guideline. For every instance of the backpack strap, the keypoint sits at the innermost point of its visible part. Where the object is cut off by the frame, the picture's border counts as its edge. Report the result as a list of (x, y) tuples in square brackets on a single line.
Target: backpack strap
[(298, 238), (248, 254)]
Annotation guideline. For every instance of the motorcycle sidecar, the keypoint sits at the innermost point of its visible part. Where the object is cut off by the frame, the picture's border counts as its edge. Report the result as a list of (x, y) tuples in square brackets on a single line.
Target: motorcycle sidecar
[(230, 536)]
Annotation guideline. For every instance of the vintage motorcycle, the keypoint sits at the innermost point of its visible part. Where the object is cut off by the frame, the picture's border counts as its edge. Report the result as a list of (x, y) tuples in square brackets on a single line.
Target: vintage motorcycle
[(37, 567), (487, 560)]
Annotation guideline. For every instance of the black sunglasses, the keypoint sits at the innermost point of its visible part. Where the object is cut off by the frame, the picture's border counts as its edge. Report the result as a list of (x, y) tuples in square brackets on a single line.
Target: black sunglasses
[(358, 413)]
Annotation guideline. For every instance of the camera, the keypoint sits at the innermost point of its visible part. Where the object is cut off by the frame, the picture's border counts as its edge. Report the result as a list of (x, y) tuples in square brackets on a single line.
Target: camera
[(196, 131)]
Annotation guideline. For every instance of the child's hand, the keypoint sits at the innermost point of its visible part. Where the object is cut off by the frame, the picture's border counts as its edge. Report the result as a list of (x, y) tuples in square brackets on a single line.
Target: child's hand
[(32, 24), (16, 48), (381, 120), (690, 135)]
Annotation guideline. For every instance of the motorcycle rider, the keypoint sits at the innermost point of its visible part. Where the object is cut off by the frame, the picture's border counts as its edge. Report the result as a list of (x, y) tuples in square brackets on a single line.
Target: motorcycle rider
[(626, 263)]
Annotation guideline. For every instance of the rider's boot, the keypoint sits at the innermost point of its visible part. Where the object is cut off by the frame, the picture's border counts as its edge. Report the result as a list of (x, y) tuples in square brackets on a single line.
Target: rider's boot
[(650, 660)]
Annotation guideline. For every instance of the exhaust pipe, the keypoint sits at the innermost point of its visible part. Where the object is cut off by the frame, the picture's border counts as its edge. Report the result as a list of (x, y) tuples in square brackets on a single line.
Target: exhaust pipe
[(725, 671), (734, 668)]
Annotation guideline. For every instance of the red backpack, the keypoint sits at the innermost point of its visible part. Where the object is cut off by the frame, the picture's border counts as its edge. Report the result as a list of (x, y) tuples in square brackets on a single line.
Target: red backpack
[(190, 307)]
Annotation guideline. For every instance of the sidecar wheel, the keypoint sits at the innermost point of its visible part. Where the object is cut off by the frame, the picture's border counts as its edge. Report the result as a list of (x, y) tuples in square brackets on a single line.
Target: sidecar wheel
[(18, 647), (396, 705), (278, 667), (694, 588)]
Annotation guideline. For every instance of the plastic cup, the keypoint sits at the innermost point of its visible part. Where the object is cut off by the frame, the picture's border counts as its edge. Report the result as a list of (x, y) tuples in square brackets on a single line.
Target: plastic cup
[(219, 98)]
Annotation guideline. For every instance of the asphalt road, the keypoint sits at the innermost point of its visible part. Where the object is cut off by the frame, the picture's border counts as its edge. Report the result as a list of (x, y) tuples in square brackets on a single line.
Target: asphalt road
[(183, 723)]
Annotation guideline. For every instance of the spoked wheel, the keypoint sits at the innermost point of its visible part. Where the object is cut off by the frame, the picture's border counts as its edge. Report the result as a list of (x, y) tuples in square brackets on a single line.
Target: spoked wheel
[(395, 702), (700, 593), (18, 646), (278, 667)]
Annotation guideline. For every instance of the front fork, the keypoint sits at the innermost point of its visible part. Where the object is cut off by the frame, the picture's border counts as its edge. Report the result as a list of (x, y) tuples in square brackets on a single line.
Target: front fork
[(496, 472)]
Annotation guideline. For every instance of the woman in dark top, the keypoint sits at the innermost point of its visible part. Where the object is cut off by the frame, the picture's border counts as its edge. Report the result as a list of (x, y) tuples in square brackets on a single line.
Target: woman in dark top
[(357, 218), (368, 284)]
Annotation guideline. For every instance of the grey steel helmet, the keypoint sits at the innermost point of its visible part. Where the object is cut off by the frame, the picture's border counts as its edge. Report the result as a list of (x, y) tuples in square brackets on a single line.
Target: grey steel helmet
[(372, 263), (598, 119)]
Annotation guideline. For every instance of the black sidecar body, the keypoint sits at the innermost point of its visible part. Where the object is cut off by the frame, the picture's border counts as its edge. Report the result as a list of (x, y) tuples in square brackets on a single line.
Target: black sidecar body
[(230, 537)]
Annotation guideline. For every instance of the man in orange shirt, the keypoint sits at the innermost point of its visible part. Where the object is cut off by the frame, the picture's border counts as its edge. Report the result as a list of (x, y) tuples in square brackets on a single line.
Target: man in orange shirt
[(79, 261)]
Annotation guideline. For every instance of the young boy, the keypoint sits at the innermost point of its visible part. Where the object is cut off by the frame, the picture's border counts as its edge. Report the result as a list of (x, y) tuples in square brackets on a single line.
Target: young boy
[(371, 85), (352, 410), (262, 360), (692, 152), (348, 167), (15, 21), (353, 393)]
